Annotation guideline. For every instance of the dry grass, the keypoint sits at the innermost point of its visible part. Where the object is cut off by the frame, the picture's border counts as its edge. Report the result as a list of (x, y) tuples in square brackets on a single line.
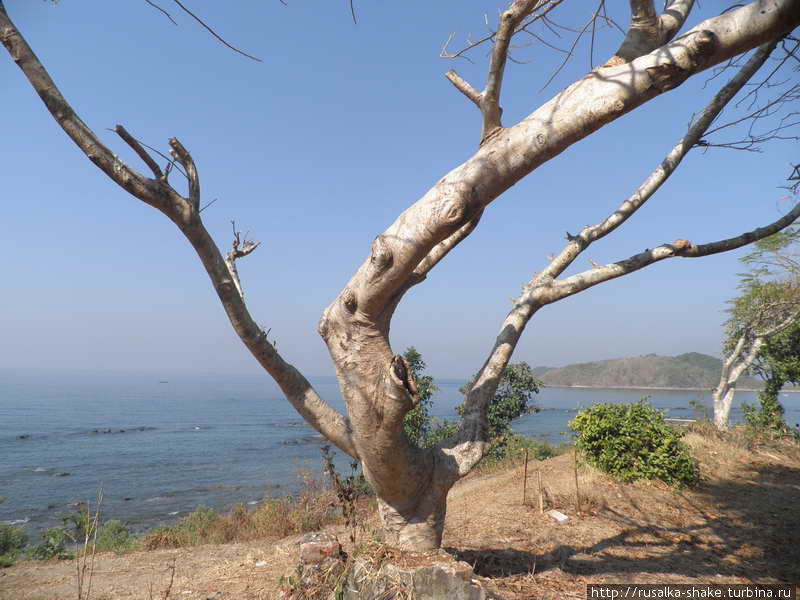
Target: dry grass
[(311, 510), (736, 526)]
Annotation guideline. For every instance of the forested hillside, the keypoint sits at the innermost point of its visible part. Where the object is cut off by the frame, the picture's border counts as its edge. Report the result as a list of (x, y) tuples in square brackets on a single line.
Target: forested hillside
[(689, 370)]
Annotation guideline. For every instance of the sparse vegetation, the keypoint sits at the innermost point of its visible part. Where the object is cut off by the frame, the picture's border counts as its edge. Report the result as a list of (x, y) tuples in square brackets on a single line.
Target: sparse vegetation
[(310, 510), (53, 545), (631, 442), (511, 448), (12, 542)]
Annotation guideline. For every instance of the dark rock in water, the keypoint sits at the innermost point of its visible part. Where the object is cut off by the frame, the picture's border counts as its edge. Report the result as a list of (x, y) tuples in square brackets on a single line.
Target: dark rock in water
[(24, 436), (311, 439), (127, 499), (52, 506), (65, 474)]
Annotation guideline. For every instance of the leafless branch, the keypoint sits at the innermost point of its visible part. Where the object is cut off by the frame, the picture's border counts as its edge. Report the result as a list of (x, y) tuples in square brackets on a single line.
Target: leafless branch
[(464, 87), (182, 156), (214, 33), (574, 45), (353, 13), (133, 143), (237, 252), (185, 214), (157, 7), (656, 179), (682, 248)]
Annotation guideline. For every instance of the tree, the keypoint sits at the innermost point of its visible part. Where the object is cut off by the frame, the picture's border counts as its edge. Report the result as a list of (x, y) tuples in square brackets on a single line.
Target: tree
[(512, 398), (778, 363), (412, 483), (763, 322), (418, 421)]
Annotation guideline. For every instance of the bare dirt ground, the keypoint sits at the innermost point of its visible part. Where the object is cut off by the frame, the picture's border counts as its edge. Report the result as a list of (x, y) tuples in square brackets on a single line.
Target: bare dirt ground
[(741, 525)]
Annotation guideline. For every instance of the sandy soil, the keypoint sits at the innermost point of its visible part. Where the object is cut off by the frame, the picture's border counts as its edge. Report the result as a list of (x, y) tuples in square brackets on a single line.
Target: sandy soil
[(740, 526)]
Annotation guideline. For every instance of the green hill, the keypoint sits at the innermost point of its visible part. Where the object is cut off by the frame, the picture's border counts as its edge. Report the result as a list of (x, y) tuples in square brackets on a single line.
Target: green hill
[(689, 370)]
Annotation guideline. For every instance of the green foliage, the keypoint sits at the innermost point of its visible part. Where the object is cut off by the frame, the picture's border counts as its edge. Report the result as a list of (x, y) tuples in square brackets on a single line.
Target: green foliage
[(439, 431), (53, 545), (511, 400), (632, 441), (418, 422), (115, 537), (12, 541), (512, 446)]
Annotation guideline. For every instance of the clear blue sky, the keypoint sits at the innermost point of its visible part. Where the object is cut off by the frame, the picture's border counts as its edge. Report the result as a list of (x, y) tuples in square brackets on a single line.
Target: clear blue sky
[(315, 151)]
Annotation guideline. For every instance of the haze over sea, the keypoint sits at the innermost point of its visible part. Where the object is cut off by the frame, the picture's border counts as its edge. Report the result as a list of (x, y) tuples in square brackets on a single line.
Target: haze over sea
[(159, 446)]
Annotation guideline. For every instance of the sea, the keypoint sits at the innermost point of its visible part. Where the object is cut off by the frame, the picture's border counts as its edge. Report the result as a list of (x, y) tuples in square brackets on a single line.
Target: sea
[(157, 447)]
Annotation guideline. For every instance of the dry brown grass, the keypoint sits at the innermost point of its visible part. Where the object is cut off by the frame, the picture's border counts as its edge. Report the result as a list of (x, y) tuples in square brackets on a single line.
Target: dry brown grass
[(311, 510), (736, 526)]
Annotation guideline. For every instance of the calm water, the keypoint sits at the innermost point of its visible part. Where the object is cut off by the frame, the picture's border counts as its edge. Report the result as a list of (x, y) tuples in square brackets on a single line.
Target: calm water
[(158, 448)]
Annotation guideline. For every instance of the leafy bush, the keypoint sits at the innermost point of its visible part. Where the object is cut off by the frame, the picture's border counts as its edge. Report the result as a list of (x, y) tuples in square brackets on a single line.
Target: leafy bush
[(53, 545), (115, 537), (766, 420), (632, 441), (12, 541)]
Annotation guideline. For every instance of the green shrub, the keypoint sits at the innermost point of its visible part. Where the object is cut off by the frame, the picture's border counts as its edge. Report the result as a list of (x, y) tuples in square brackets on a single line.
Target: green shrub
[(53, 545), (512, 399), (632, 441), (512, 446), (12, 541), (115, 537)]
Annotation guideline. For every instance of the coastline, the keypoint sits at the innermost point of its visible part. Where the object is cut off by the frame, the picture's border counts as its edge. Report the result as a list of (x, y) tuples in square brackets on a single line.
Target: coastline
[(660, 389)]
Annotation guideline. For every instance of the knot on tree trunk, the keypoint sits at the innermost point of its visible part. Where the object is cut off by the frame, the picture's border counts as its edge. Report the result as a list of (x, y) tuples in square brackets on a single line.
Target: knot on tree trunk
[(402, 371)]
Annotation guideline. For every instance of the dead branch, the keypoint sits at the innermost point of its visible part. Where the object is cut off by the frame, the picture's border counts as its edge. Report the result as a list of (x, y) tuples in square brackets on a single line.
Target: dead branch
[(214, 33), (137, 147), (682, 248), (247, 247), (164, 12), (182, 156)]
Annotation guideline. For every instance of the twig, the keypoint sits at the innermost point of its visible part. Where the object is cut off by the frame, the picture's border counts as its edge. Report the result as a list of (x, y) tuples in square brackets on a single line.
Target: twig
[(247, 247), (137, 147), (577, 489), (525, 479), (214, 33), (353, 13), (541, 495), (157, 7)]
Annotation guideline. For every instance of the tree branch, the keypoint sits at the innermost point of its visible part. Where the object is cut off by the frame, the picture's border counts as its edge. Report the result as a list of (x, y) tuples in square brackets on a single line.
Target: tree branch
[(235, 253), (490, 98), (682, 248), (214, 33), (577, 244), (180, 154), (648, 30), (464, 87), (185, 214), (137, 147)]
